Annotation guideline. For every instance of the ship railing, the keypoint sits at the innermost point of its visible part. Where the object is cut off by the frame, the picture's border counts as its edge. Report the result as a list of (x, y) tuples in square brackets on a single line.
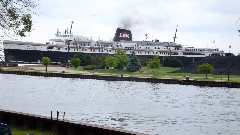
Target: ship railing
[(16, 61)]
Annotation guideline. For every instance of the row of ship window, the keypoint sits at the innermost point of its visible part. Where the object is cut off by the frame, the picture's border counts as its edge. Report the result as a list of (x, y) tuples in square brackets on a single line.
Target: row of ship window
[(139, 52), (95, 45), (158, 48), (201, 49), (117, 46)]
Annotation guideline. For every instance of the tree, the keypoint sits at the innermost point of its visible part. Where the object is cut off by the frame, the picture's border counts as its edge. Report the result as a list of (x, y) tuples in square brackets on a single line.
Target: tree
[(46, 61), (171, 62), (121, 58), (143, 61), (133, 64), (154, 63), (110, 61), (98, 61), (85, 59), (75, 62), (15, 16), (205, 68)]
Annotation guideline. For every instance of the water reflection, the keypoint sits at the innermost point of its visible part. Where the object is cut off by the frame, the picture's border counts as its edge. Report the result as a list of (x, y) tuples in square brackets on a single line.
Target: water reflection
[(141, 107)]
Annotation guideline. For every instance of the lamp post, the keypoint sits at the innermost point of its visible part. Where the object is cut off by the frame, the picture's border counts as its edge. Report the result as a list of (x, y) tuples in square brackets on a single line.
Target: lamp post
[(68, 55), (228, 71), (230, 64), (68, 43)]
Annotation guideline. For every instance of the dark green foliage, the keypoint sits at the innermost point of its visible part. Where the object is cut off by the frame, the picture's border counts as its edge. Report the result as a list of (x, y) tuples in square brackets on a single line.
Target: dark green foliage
[(98, 61), (171, 62), (75, 62), (15, 16), (85, 59), (89, 67), (26, 20), (143, 61), (133, 64)]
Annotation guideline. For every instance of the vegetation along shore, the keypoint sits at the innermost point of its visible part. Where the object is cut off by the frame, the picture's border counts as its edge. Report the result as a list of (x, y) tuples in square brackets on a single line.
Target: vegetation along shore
[(212, 69)]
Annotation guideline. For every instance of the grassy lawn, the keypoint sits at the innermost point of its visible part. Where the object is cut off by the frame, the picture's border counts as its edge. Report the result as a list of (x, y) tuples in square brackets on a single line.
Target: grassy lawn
[(22, 131), (167, 72), (163, 72)]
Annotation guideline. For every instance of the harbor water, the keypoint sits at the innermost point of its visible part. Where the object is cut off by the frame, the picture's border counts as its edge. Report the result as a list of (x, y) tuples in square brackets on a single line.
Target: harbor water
[(151, 108)]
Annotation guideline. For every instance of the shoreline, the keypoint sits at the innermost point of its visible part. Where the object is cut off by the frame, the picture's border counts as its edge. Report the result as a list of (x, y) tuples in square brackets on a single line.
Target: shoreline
[(86, 75)]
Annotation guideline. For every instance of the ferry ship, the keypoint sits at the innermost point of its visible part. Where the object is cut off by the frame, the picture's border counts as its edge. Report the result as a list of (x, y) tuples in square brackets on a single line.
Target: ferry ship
[(63, 47)]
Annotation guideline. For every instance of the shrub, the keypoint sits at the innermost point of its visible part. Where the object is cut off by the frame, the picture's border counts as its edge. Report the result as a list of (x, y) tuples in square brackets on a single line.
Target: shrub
[(89, 67), (171, 62)]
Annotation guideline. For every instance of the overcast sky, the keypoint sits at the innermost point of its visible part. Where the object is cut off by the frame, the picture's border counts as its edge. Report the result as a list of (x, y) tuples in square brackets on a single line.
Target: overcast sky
[(200, 22)]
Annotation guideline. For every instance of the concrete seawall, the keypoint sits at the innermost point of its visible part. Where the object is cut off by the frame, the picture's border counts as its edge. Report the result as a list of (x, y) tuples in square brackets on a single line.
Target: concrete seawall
[(123, 78), (60, 127)]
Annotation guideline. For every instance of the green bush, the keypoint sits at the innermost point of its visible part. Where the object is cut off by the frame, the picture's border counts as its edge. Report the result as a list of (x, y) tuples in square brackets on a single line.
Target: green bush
[(171, 62), (143, 61), (89, 67)]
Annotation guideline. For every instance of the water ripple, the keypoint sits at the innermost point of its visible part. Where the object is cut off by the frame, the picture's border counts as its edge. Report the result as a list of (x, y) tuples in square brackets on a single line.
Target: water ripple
[(154, 109)]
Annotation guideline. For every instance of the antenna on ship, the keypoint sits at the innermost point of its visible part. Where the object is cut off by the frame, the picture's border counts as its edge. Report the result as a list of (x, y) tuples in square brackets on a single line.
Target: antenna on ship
[(174, 38), (146, 35), (71, 28), (58, 33), (238, 26)]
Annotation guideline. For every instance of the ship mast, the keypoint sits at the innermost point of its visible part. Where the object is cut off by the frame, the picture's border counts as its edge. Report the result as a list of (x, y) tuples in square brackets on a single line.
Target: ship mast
[(71, 28), (174, 38), (238, 25)]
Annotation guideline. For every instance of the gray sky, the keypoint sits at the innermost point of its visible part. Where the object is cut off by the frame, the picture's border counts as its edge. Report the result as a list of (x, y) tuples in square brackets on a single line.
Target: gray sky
[(201, 22)]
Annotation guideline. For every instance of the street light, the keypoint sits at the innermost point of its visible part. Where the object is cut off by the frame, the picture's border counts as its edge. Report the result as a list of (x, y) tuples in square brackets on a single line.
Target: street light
[(68, 43), (230, 64)]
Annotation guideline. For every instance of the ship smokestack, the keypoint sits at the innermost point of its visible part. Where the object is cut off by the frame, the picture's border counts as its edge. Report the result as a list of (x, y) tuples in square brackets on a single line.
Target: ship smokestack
[(122, 34)]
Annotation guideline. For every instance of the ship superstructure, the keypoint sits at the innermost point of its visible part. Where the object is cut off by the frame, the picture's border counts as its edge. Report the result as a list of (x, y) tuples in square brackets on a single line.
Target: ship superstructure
[(63, 47)]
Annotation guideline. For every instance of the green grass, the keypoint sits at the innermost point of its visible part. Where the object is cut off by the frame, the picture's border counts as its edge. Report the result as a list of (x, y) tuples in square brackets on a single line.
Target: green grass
[(167, 72), (163, 72), (80, 68), (23, 131)]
